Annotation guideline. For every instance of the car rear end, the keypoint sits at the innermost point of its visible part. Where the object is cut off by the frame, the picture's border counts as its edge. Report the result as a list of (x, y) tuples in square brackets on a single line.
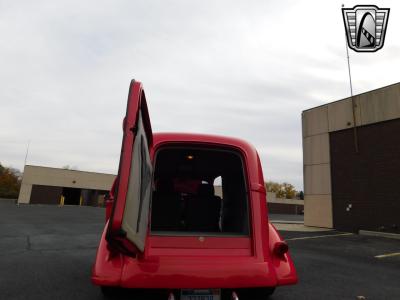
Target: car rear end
[(208, 235)]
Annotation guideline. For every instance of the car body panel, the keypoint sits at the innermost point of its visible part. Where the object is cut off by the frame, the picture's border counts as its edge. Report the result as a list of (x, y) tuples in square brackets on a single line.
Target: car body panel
[(176, 262), (128, 219)]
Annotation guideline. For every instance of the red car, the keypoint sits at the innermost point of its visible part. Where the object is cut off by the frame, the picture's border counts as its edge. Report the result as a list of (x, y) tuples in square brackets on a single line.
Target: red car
[(188, 217)]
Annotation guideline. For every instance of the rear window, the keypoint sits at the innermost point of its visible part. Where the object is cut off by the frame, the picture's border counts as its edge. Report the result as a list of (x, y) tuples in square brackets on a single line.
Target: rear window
[(199, 190)]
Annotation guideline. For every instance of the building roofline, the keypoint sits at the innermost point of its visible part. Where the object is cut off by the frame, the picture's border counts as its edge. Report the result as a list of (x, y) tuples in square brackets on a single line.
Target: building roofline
[(55, 168), (367, 92)]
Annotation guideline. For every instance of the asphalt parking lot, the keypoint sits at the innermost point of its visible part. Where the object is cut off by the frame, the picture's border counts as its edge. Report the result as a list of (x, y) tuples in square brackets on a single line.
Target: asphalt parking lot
[(46, 252)]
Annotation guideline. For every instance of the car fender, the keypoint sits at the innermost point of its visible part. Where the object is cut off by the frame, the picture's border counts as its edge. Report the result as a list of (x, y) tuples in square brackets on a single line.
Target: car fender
[(107, 268), (283, 264)]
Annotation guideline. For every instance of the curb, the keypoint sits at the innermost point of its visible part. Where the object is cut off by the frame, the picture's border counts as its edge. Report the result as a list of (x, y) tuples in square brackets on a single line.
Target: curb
[(285, 222), (379, 234)]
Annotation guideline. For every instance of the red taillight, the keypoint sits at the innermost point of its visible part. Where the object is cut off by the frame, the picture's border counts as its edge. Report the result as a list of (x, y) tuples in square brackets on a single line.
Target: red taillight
[(280, 248)]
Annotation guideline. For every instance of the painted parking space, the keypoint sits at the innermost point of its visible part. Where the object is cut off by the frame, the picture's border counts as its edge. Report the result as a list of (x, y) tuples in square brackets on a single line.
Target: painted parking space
[(387, 255), (319, 236)]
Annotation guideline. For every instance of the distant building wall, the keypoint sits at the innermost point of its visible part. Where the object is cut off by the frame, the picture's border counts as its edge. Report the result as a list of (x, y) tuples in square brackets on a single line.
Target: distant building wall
[(365, 185), (284, 206), (319, 126), (44, 194), (276, 205), (38, 179)]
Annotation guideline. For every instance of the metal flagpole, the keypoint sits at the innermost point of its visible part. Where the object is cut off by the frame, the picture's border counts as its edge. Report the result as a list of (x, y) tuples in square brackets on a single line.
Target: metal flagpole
[(26, 154), (353, 104)]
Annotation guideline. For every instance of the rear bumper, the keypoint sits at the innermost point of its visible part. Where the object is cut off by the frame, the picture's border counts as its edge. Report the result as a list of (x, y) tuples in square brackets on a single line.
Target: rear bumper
[(177, 275), (177, 272)]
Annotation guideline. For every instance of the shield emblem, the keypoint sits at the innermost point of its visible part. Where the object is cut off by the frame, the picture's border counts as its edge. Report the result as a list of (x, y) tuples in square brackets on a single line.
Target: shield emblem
[(365, 27)]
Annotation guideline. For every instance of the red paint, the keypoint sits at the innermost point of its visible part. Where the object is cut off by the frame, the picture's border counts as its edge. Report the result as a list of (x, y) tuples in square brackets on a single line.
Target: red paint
[(175, 262), (135, 101)]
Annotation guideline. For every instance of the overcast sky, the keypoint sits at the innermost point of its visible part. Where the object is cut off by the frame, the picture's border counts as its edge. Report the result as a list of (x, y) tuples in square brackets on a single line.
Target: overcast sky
[(238, 68)]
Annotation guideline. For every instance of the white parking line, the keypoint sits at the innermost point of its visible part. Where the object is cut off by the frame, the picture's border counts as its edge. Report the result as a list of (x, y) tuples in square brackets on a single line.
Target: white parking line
[(388, 255), (318, 236)]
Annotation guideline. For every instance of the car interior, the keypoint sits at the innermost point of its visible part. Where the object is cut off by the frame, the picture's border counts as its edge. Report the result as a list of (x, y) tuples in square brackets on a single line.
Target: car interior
[(199, 191)]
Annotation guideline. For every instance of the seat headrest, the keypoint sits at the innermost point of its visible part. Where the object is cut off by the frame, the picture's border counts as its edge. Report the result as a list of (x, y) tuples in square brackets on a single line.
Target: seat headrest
[(205, 189)]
